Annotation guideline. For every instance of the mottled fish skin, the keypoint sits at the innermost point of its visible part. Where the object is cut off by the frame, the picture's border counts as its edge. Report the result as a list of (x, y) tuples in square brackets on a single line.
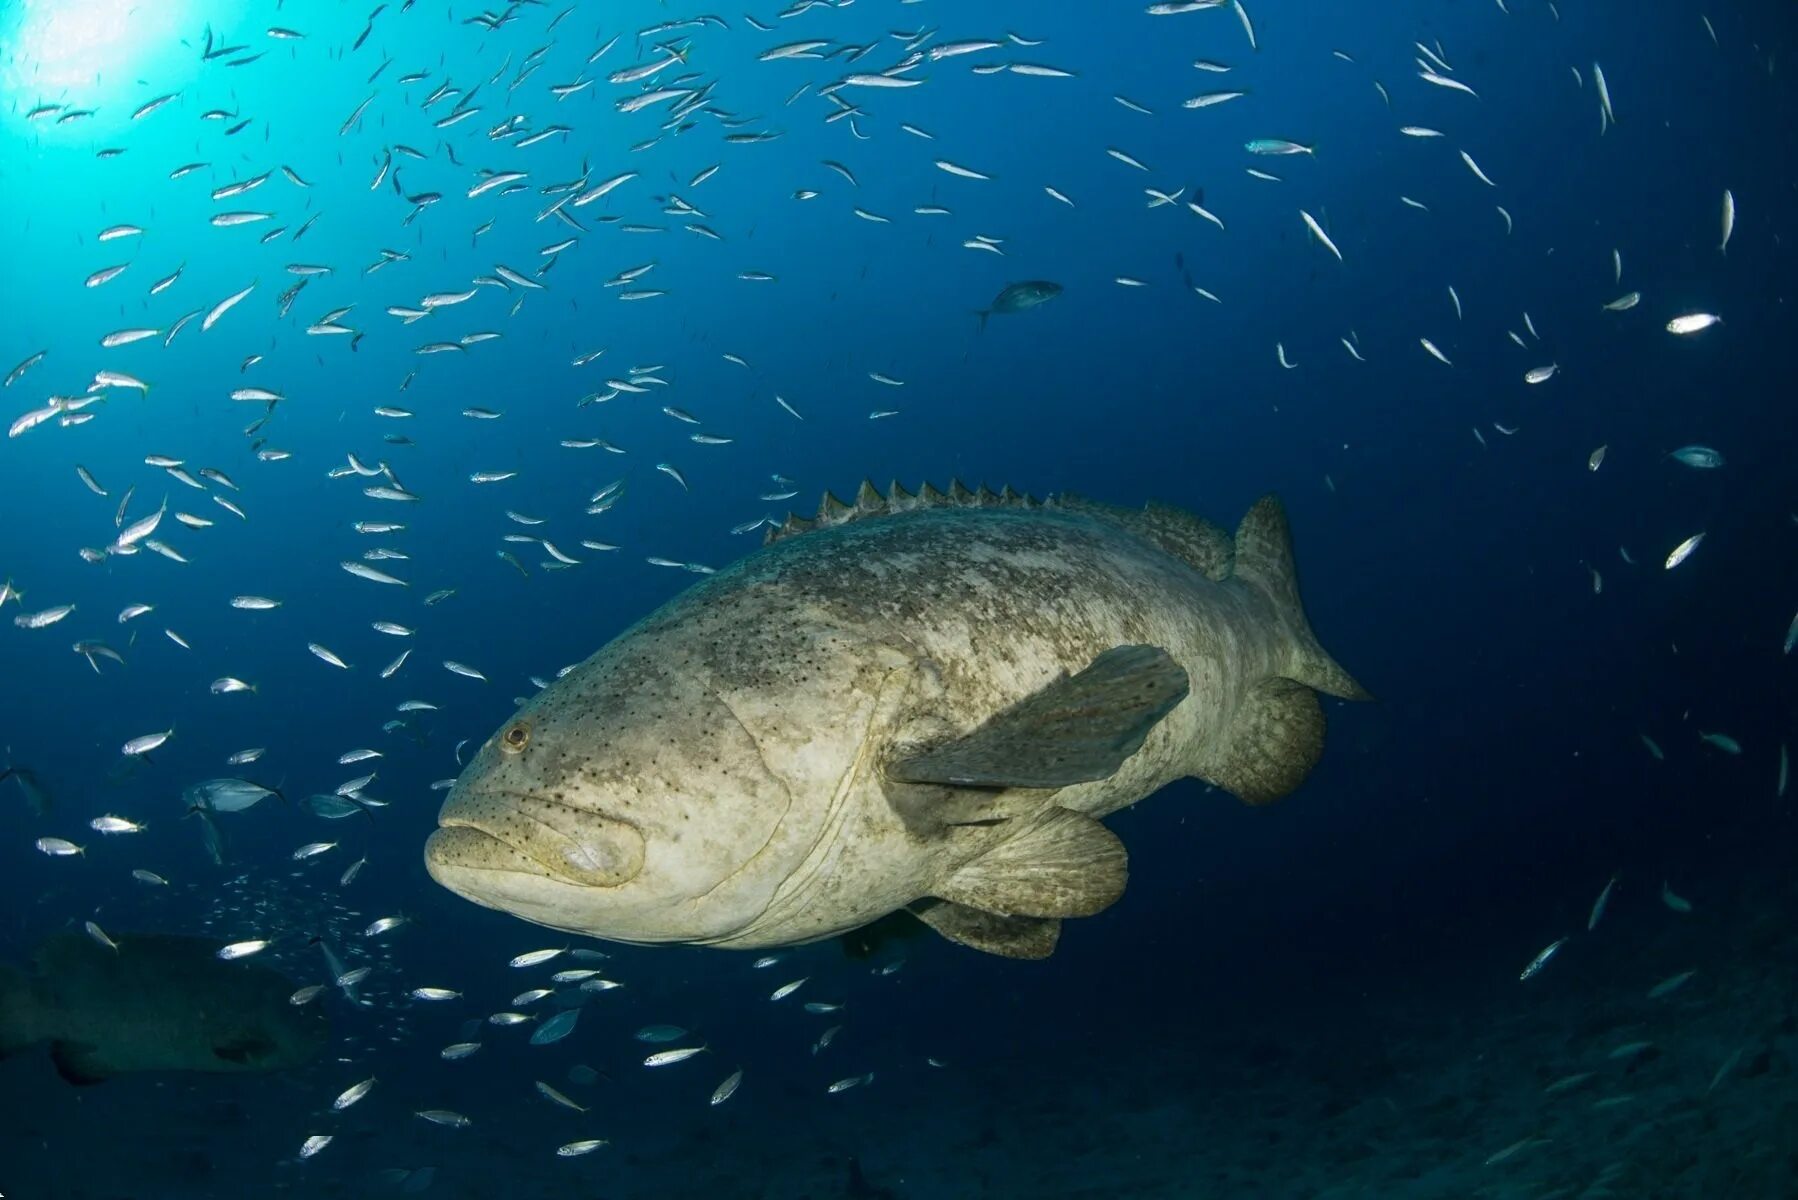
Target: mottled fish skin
[(715, 775)]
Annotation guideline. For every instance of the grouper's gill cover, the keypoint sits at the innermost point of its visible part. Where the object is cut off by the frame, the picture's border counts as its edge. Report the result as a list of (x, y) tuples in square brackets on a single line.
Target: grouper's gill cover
[(923, 702), (652, 788)]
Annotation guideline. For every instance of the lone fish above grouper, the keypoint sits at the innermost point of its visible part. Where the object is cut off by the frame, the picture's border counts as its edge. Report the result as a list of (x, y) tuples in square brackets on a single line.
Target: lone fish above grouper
[(921, 702)]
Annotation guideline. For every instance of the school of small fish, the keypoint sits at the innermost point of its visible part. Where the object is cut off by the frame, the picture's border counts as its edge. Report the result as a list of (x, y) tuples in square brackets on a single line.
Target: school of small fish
[(611, 148)]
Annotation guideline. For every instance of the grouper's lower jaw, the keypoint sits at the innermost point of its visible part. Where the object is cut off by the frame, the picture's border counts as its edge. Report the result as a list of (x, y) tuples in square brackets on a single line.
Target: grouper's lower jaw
[(463, 852), (480, 868), (499, 832)]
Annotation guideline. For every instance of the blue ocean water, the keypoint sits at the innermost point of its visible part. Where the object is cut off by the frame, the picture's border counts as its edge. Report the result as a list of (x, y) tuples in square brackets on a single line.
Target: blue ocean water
[(1319, 998)]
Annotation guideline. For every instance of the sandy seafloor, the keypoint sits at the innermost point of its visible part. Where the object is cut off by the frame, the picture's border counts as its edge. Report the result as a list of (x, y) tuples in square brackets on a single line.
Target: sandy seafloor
[(1391, 1085)]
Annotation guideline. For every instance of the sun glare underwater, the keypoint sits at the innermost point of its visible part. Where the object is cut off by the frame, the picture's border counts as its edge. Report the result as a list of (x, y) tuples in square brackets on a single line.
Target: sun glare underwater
[(899, 599)]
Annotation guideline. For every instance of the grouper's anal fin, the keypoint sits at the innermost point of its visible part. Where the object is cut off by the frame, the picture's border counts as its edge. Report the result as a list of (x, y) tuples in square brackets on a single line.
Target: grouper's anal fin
[(1271, 744), (1077, 729), (1010, 900), (1008, 937)]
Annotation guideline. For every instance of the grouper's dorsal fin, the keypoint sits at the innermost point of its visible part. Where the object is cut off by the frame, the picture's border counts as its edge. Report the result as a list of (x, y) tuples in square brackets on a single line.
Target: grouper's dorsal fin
[(1189, 538), (1076, 729), (871, 502)]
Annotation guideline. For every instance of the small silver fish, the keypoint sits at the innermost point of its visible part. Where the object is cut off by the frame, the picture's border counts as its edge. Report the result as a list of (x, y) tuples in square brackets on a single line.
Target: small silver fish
[(43, 618), (1701, 458), (664, 1058), (1541, 960), (555, 1097), (327, 655), (556, 1028), (1693, 322), (536, 957), (1721, 741), (1671, 984), (854, 1081), (1683, 551), (1598, 906), (444, 1117), (352, 1094), (728, 1088), (148, 742)]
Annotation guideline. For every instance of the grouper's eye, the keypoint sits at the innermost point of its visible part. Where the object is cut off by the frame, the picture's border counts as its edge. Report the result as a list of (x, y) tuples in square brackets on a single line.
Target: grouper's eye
[(515, 739)]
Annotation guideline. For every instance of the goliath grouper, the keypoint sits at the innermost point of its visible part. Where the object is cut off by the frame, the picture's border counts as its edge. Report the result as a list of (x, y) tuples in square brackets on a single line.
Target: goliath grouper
[(913, 702), (157, 1003)]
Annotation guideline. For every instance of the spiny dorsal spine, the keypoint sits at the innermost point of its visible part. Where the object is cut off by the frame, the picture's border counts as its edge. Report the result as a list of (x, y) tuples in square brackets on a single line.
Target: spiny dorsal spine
[(870, 502)]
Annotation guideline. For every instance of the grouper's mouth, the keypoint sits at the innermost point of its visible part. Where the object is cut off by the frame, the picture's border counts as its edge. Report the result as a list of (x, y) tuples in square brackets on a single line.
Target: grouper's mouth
[(496, 866), (529, 836)]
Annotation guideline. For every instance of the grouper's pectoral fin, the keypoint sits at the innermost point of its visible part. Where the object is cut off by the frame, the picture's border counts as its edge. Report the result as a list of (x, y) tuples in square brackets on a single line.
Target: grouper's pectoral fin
[(1272, 743), (1077, 729), (1008, 937), (78, 1063)]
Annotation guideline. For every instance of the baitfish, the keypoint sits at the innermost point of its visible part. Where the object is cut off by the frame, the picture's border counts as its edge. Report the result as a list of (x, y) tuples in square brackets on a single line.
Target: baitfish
[(915, 702), (1020, 297)]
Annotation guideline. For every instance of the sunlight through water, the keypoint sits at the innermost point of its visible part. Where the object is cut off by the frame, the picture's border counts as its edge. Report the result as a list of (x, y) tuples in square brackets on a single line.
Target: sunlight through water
[(62, 44)]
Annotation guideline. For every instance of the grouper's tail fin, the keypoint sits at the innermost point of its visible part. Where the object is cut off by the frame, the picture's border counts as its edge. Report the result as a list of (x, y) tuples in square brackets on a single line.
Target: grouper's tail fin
[(1277, 733), (1264, 560)]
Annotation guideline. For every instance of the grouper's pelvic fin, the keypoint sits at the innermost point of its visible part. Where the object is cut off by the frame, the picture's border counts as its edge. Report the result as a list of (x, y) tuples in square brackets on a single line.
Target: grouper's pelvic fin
[(1277, 735)]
